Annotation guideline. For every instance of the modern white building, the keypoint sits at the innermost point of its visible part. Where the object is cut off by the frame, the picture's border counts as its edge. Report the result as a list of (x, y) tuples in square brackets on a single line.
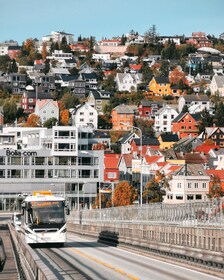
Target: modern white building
[(56, 36), (164, 118), (58, 159)]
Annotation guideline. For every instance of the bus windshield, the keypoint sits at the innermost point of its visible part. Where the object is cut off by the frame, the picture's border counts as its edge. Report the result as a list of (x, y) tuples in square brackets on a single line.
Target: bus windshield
[(47, 212)]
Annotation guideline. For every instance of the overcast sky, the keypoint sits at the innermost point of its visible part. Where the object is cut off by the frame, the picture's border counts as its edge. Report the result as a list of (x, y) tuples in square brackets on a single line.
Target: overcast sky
[(22, 19)]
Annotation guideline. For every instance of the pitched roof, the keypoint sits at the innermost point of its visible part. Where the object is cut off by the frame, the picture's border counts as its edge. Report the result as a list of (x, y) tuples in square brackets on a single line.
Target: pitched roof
[(147, 141), (168, 137), (219, 173), (192, 97), (127, 159), (124, 109), (206, 148), (152, 159), (219, 80), (162, 80), (42, 103), (111, 160)]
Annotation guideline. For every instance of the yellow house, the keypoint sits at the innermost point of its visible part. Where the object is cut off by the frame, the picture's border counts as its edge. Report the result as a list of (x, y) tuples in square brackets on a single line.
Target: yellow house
[(160, 86), (167, 140)]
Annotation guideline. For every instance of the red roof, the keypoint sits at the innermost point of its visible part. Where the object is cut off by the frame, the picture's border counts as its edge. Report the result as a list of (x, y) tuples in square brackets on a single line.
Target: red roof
[(135, 67), (111, 160), (219, 173), (152, 159), (206, 148)]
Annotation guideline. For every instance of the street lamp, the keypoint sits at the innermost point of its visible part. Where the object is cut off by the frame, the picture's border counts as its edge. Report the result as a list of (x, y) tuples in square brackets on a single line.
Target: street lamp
[(140, 131)]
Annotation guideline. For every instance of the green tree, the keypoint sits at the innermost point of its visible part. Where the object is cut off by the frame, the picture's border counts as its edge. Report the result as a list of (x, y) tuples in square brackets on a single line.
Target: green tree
[(69, 100), (50, 122), (4, 63), (64, 45), (153, 192), (206, 120), (164, 68), (13, 67), (9, 110), (218, 116)]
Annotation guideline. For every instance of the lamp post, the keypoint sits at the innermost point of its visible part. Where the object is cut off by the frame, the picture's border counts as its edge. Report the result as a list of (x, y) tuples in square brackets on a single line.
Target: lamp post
[(140, 131)]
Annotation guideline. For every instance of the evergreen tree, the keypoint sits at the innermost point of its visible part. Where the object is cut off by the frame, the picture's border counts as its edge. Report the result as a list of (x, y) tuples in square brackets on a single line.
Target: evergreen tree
[(218, 116), (206, 120)]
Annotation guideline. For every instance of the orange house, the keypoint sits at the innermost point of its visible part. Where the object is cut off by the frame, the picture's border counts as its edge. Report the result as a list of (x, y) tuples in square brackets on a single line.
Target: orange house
[(122, 117), (111, 171), (186, 124), (160, 86)]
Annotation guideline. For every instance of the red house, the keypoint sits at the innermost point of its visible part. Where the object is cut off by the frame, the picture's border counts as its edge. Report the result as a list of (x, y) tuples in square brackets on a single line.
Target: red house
[(186, 124), (111, 171)]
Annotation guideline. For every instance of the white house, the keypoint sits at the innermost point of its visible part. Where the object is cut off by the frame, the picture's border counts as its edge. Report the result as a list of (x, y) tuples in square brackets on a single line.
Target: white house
[(217, 85), (164, 118), (188, 184), (46, 109), (101, 56), (85, 115), (189, 100), (127, 81)]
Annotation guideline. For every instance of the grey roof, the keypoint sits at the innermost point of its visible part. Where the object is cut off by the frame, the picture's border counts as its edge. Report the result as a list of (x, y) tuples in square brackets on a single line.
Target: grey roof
[(33, 95), (193, 97), (124, 109), (192, 169), (147, 141), (168, 137), (121, 76), (219, 80), (162, 80), (126, 137), (196, 117), (100, 94)]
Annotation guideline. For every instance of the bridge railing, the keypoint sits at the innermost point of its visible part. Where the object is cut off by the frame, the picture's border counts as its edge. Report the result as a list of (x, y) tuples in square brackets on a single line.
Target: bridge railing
[(198, 213)]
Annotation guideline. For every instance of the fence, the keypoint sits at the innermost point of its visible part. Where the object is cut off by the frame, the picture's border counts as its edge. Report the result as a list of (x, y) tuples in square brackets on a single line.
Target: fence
[(198, 213)]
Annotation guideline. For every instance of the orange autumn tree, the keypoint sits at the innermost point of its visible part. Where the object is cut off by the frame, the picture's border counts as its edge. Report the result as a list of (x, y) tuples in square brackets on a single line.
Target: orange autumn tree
[(176, 75), (124, 194), (33, 121), (64, 116)]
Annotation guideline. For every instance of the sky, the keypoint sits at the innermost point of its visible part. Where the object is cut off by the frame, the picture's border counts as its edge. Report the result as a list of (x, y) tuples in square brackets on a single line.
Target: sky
[(23, 19)]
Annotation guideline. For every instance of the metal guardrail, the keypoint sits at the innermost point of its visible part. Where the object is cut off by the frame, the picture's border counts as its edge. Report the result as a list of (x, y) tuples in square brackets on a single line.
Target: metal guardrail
[(190, 214)]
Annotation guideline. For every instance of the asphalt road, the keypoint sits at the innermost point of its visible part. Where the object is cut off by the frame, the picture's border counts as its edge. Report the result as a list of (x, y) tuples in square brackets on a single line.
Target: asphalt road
[(101, 262)]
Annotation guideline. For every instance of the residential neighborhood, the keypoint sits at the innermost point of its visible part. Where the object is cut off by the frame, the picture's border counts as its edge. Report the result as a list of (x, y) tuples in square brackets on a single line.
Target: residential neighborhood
[(148, 109)]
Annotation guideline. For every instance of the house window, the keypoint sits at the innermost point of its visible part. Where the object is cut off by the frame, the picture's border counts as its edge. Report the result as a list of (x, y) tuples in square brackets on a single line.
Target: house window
[(189, 185), (196, 185), (81, 120), (179, 197), (165, 116), (172, 116), (111, 175), (30, 100), (190, 197), (198, 196), (178, 185), (81, 113), (44, 112), (52, 112), (91, 113), (204, 185)]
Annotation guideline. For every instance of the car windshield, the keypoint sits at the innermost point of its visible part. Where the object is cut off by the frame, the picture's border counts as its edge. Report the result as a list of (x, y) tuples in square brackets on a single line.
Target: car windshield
[(48, 212)]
